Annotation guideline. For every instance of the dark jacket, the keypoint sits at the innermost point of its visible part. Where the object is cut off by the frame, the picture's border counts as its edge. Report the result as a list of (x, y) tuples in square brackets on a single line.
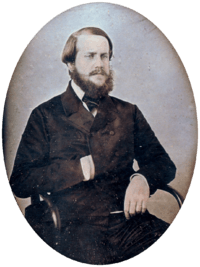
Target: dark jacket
[(61, 131)]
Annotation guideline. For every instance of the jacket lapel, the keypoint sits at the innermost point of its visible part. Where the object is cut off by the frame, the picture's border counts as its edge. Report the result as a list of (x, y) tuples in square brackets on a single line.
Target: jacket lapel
[(75, 112), (106, 114), (84, 120)]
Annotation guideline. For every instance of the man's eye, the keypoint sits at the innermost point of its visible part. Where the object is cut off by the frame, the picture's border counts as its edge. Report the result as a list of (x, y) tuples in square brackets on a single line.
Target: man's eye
[(89, 56), (104, 56)]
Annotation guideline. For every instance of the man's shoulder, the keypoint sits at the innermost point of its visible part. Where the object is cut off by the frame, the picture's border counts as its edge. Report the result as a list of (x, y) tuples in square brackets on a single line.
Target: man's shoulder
[(122, 105), (50, 105)]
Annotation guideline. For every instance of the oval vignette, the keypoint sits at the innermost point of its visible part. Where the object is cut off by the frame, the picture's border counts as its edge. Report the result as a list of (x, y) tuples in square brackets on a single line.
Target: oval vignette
[(158, 75)]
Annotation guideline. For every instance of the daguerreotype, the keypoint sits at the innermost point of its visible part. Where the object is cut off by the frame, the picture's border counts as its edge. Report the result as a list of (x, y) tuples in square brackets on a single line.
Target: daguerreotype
[(96, 120)]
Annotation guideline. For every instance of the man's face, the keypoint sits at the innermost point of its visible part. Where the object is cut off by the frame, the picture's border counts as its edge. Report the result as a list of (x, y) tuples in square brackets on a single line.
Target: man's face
[(92, 59)]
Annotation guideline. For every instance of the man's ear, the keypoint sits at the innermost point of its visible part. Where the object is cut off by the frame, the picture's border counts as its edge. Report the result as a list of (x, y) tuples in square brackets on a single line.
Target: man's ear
[(71, 66)]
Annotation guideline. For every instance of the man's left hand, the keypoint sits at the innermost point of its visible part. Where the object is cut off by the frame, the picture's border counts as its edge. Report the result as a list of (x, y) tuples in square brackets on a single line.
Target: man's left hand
[(136, 197)]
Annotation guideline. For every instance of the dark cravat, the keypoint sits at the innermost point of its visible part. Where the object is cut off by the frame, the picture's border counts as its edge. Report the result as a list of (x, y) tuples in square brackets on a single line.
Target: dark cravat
[(90, 102)]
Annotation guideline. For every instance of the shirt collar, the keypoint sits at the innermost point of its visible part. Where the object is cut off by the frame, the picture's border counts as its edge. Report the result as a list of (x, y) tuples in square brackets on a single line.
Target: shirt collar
[(79, 92)]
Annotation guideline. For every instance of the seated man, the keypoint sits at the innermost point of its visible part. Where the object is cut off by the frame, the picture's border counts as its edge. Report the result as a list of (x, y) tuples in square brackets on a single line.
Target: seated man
[(79, 147)]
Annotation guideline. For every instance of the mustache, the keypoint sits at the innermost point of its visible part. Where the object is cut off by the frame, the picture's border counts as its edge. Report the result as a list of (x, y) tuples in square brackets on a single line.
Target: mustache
[(98, 71)]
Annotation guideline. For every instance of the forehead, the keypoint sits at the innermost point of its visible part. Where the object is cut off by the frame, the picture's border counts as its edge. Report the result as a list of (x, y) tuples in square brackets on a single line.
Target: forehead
[(92, 43)]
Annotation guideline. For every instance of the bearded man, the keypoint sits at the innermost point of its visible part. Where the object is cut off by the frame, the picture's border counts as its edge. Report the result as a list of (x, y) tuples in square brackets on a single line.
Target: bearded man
[(79, 148)]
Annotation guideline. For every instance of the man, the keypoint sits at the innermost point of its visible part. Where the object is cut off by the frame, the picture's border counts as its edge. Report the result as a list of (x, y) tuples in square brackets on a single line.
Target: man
[(79, 148)]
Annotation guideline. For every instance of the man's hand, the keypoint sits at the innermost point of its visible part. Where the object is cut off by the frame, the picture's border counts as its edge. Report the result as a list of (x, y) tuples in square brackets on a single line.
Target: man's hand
[(136, 197)]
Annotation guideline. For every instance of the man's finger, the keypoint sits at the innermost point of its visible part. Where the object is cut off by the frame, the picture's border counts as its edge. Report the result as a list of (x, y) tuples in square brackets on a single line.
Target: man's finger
[(132, 208), (126, 208), (127, 215), (144, 206), (139, 207)]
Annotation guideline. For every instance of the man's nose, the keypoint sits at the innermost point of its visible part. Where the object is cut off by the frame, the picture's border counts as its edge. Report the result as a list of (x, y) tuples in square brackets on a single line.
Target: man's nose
[(98, 62)]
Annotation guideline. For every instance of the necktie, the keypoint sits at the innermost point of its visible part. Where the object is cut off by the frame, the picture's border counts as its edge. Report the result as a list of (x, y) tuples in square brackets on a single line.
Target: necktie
[(90, 102)]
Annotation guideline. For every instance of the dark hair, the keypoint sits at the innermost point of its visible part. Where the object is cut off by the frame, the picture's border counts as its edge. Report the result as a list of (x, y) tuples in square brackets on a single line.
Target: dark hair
[(70, 50)]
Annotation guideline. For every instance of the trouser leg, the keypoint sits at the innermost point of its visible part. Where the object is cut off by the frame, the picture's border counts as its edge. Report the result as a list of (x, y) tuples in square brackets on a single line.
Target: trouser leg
[(130, 237), (112, 239), (86, 241)]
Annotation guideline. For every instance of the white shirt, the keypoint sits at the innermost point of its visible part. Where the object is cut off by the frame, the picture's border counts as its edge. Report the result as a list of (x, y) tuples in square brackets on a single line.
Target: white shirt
[(80, 93), (87, 162)]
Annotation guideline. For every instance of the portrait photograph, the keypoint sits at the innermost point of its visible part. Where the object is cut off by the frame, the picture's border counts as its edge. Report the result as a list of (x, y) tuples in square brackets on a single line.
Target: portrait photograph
[(99, 135)]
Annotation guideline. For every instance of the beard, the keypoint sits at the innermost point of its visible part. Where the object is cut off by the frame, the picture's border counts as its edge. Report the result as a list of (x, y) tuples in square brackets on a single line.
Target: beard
[(91, 89)]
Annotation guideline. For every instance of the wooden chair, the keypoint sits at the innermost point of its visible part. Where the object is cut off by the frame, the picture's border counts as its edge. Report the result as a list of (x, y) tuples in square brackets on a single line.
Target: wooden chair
[(38, 208)]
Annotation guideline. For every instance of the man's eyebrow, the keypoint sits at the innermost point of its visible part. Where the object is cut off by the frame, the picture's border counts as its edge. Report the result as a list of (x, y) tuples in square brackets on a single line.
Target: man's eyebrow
[(91, 53), (94, 53)]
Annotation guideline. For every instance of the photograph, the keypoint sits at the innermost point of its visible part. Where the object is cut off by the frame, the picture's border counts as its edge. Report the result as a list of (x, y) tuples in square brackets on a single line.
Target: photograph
[(99, 136)]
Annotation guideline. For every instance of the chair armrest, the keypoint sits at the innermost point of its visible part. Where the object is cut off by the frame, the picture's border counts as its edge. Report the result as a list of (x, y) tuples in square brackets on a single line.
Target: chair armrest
[(179, 198), (39, 214), (54, 211)]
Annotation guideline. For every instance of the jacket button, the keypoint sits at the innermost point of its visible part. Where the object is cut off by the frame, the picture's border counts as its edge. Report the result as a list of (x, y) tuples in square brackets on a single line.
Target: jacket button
[(112, 132), (78, 135)]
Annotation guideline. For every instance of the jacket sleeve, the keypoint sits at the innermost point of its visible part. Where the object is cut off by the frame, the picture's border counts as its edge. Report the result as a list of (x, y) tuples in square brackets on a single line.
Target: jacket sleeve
[(34, 170), (154, 163)]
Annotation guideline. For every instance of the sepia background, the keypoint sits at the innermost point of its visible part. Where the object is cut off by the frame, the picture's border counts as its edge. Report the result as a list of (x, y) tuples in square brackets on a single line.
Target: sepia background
[(148, 72)]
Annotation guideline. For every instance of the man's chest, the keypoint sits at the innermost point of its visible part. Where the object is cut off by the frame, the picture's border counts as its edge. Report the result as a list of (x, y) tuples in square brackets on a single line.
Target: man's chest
[(80, 135)]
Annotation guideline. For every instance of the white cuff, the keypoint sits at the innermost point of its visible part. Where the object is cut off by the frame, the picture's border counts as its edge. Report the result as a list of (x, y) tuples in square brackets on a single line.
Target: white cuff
[(88, 168), (138, 174)]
